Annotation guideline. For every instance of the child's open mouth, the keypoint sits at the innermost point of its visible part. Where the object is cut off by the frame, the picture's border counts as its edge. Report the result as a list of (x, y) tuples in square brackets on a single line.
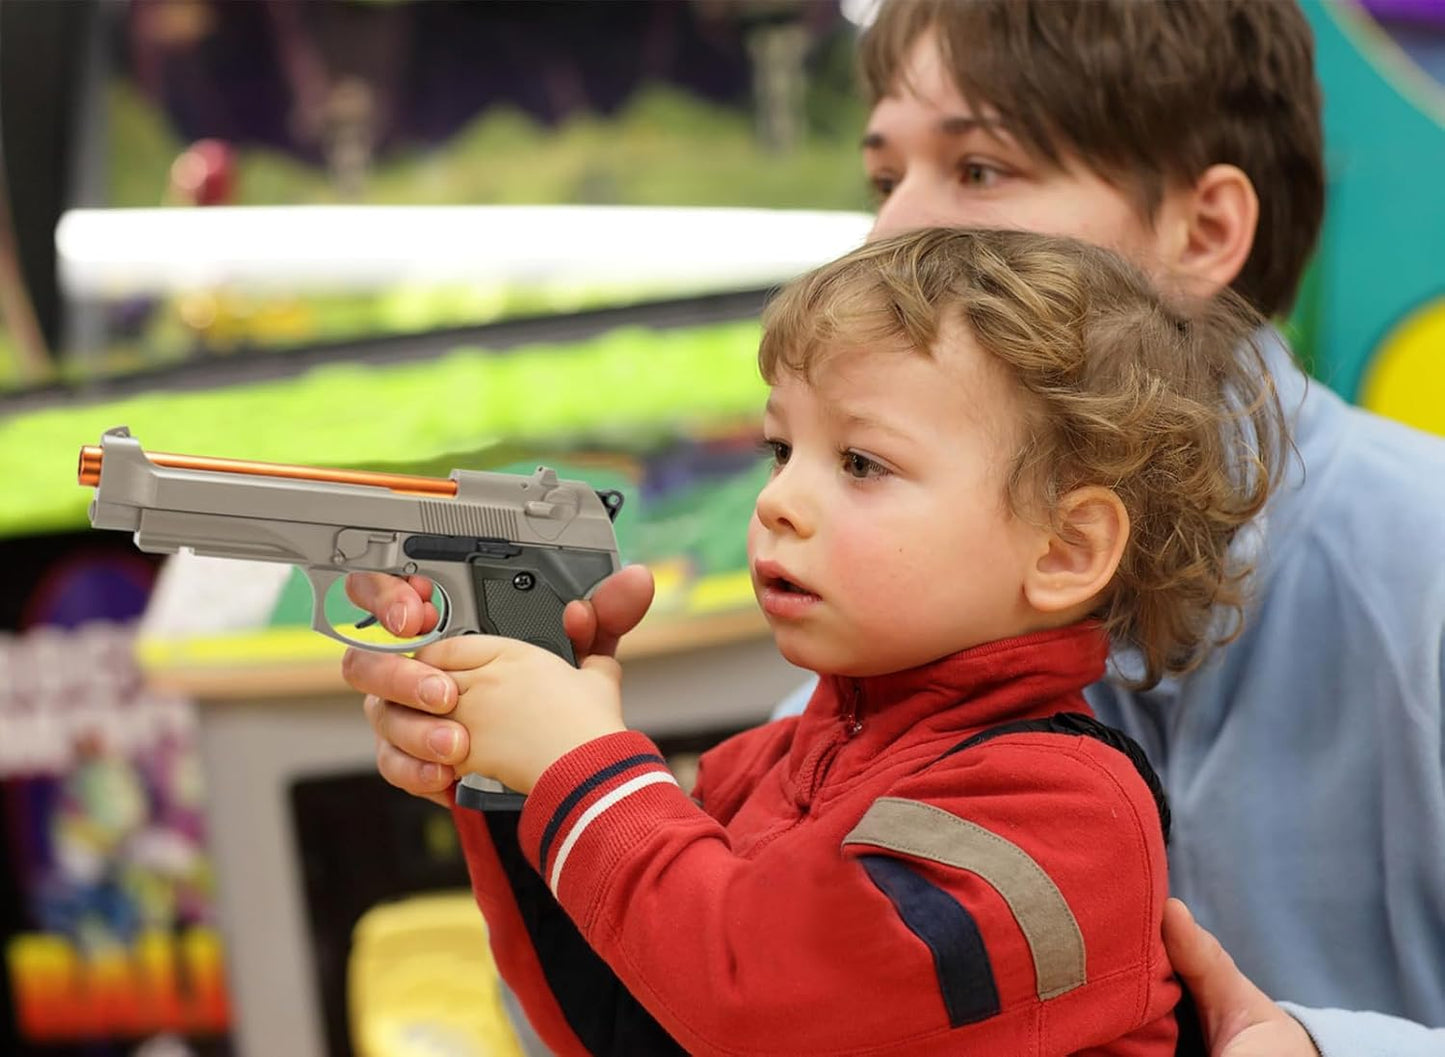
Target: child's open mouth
[(781, 597)]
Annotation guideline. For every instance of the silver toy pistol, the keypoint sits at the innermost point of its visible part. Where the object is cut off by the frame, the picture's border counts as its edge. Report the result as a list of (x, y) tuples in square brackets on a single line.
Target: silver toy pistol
[(506, 552)]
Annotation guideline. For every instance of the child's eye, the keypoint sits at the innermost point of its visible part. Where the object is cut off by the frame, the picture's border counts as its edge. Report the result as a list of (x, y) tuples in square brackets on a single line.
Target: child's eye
[(856, 464), (778, 450)]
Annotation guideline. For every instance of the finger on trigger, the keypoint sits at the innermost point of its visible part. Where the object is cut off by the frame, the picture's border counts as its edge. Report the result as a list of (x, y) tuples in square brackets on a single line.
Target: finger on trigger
[(368, 591)]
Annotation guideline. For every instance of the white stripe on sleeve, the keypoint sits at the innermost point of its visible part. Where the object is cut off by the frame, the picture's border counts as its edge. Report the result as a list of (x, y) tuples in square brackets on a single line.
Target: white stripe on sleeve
[(603, 803)]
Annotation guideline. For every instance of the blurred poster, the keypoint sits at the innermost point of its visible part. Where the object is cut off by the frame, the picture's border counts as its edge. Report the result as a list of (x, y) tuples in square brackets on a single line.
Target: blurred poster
[(200, 103), (110, 940)]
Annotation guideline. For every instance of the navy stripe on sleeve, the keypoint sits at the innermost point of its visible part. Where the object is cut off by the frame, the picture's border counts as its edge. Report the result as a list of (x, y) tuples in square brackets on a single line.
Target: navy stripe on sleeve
[(602, 1013), (570, 801), (960, 959)]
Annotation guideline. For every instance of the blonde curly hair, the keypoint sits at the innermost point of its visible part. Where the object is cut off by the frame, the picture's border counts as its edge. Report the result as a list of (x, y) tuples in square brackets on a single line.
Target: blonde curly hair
[(1173, 410)]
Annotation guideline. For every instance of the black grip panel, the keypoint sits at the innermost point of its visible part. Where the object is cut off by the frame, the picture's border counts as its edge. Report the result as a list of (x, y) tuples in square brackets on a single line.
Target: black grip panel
[(522, 595), (520, 604)]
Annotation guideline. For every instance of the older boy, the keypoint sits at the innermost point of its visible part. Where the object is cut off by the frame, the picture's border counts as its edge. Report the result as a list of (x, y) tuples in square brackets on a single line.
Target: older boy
[(1305, 763)]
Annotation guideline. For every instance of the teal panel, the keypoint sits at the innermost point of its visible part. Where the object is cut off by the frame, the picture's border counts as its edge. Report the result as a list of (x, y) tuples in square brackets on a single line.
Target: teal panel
[(1383, 250)]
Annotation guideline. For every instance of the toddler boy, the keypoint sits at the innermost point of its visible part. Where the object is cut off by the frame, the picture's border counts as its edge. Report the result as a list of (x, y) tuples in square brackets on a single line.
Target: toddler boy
[(995, 453)]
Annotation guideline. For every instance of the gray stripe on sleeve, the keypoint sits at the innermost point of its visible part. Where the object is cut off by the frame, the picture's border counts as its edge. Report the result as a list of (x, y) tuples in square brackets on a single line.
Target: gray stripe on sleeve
[(927, 832)]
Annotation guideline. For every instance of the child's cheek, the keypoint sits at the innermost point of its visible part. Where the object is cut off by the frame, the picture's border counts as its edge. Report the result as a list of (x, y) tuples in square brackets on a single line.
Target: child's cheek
[(863, 563)]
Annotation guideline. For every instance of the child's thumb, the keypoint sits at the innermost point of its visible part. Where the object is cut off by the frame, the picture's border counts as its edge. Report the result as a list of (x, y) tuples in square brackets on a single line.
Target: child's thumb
[(604, 666)]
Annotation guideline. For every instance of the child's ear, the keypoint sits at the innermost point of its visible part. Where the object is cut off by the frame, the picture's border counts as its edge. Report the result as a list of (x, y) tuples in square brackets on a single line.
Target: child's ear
[(1078, 558), (1216, 222)]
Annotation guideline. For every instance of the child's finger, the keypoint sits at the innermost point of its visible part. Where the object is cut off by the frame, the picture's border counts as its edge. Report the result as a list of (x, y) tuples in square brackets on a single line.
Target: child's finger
[(603, 665), (464, 652)]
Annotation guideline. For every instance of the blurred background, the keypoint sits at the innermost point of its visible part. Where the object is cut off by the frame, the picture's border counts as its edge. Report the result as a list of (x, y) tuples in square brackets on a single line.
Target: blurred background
[(418, 235)]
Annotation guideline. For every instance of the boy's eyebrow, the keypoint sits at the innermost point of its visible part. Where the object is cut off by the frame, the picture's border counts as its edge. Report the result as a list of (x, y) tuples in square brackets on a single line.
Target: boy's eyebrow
[(859, 420), (954, 125), (854, 419)]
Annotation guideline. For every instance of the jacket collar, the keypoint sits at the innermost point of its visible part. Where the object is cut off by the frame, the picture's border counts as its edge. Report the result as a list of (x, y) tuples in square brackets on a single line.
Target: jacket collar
[(1018, 678)]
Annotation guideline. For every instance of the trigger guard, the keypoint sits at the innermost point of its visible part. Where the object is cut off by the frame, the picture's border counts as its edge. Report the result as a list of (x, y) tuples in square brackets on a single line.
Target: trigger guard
[(321, 581)]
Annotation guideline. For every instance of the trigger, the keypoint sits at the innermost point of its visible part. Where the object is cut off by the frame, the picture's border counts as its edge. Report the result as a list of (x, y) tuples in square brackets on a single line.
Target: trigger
[(366, 622)]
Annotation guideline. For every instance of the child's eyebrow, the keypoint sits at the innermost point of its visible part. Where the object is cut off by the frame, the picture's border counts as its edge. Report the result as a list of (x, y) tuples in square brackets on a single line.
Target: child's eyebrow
[(858, 420)]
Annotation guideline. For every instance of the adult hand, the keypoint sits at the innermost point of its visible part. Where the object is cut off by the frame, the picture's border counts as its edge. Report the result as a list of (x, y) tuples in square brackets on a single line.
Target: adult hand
[(1239, 1019), (417, 749)]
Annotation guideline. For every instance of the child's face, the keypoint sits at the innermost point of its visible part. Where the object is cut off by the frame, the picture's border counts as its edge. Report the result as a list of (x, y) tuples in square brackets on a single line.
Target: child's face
[(885, 538), (937, 163)]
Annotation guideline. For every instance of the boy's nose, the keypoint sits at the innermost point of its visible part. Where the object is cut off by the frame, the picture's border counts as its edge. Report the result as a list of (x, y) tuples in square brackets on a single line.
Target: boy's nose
[(920, 200), (782, 507)]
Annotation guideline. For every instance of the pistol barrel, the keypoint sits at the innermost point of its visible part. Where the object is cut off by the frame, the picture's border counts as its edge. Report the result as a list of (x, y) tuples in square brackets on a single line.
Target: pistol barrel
[(409, 484)]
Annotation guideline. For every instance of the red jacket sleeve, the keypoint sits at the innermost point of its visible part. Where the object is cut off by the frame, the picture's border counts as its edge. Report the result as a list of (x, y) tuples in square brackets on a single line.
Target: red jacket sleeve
[(507, 932), (573, 999), (827, 941)]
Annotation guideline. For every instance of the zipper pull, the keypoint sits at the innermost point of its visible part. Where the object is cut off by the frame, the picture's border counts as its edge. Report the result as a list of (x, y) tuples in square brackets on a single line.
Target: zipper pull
[(852, 719)]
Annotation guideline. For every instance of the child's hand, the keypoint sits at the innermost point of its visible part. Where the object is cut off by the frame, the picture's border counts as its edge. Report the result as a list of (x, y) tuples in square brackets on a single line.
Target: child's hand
[(417, 748), (523, 707)]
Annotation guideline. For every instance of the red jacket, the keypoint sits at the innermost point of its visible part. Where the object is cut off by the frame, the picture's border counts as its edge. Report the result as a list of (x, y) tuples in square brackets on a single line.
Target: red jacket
[(842, 883)]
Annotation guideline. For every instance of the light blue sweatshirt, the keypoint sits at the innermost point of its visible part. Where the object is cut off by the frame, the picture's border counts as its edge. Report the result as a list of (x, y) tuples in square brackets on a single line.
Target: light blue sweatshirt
[(1305, 762)]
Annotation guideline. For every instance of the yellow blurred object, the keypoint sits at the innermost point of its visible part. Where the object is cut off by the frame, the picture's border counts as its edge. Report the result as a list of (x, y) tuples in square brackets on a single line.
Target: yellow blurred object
[(1406, 381), (422, 983)]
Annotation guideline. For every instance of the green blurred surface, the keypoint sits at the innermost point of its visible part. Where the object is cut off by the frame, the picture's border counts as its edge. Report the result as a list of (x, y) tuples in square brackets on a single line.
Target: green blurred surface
[(625, 389)]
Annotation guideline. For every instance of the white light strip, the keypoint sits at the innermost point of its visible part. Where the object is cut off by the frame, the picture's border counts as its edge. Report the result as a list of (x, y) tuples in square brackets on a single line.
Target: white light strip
[(131, 252), (642, 781)]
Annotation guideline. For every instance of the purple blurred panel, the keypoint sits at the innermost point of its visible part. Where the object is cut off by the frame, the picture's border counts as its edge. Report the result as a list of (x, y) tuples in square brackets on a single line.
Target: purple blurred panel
[(1431, 12)]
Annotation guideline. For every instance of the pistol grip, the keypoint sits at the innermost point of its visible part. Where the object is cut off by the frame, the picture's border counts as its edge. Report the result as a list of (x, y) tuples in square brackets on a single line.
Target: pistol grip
[(521, 603), (487, 794)]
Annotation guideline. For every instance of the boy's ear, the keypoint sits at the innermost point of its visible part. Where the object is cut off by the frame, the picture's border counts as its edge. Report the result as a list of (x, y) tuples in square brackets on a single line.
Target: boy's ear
[(1217, 219), (1078, 558)]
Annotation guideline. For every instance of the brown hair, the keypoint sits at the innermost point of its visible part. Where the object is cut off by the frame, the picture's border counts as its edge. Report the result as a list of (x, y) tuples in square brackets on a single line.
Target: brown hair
[(1144, 93), (1177, 415)]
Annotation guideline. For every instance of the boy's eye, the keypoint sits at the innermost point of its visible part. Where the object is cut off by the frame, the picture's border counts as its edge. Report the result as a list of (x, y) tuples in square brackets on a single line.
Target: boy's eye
[(856, 464), (778, 450), (882, 185), (978, 174)]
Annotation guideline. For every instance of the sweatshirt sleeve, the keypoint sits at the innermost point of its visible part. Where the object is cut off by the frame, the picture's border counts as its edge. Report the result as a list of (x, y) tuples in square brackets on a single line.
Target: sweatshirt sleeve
[(1354, 1033), (572, 998), (725, 949)]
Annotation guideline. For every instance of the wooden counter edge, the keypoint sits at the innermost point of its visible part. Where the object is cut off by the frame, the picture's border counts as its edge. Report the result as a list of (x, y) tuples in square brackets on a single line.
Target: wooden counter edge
[(652, 638)]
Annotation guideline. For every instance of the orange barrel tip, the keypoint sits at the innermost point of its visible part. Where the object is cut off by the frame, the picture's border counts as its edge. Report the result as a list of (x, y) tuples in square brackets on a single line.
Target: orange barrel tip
[(89, 471)]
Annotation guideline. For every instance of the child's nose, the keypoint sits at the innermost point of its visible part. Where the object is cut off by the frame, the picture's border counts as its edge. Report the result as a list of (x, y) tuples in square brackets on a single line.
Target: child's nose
[(782, 505)]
